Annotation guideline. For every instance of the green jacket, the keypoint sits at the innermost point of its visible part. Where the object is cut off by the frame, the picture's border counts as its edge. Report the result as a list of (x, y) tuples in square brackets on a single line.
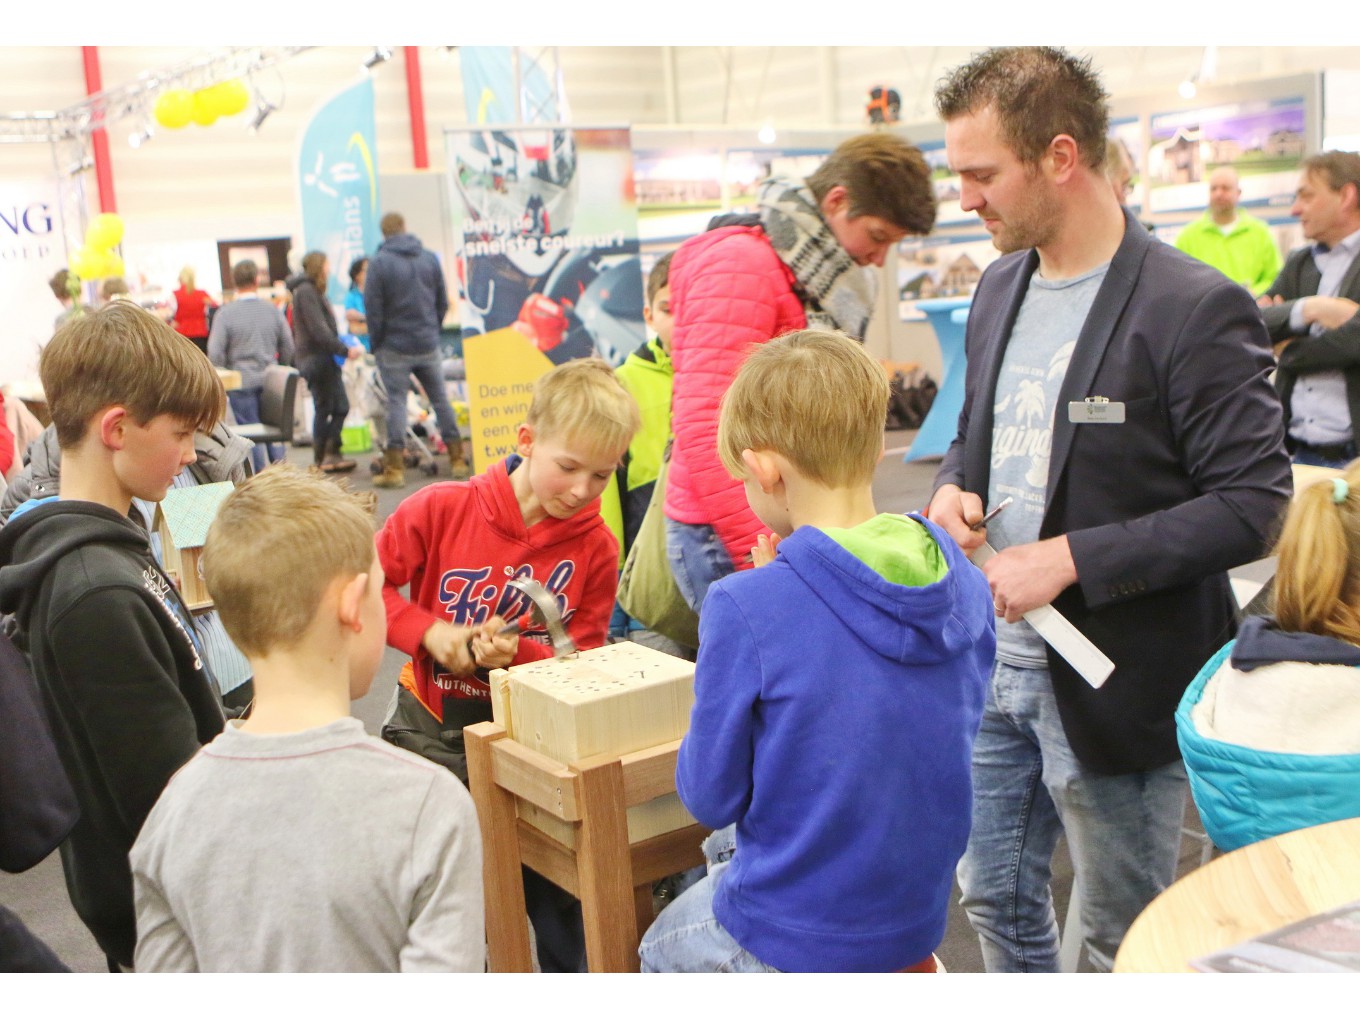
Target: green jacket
[(646, 374), (1248, 254)]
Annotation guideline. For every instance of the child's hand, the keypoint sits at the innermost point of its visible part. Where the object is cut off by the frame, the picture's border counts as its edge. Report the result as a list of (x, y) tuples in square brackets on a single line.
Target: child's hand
[(492, 649), (764, 550), (449, 646)]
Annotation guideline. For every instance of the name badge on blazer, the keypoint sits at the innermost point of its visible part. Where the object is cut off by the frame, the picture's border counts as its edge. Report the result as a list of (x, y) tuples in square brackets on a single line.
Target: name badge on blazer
[(1096, 411)]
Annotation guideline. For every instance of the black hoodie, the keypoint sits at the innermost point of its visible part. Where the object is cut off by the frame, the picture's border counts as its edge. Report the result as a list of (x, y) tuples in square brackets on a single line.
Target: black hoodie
[(124, 685)]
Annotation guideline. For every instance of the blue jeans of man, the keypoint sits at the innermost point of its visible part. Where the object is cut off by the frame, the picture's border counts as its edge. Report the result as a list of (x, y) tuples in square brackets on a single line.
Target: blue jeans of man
[(1123, 832), (245, 407), (697, 558), (686, 938), (1302, 456), (396, 370)]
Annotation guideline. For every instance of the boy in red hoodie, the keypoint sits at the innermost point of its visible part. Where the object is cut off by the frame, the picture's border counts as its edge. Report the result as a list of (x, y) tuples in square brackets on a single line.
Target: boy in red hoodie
[(534, 515)]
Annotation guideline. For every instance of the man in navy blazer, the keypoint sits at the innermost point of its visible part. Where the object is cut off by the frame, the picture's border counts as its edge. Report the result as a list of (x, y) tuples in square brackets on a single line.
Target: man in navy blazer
[(1118, 391)]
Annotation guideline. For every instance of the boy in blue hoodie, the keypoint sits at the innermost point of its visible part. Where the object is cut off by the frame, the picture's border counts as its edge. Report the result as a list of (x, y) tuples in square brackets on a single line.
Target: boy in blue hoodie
[(838, 691)]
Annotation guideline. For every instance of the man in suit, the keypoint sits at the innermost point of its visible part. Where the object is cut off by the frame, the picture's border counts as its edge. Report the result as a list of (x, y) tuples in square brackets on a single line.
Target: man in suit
[(1310, 311), (1117, 390)]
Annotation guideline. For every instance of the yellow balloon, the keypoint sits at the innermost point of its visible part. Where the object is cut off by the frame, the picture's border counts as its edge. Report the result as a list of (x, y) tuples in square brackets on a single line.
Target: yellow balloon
[(233, 97), (86, 263), (174, 109), (113, 264), (204, 111), (105, 231)]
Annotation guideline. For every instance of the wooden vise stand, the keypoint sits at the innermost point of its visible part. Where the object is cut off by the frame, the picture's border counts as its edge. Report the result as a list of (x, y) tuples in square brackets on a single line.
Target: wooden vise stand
[(611, 877)]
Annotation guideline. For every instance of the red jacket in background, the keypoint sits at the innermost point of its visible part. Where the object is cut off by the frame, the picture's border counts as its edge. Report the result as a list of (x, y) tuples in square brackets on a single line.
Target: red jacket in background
[(456, 543), (191, 313)]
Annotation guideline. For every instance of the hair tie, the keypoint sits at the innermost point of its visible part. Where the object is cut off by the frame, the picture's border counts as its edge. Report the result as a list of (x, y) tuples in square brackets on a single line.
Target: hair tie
[(1340, 490)]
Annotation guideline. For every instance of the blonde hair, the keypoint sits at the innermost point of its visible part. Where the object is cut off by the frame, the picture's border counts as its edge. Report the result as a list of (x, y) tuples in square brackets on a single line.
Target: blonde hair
[(187, 278), (276, 544), (1317, 582), (124, 356), (582, 402), (814, 397)]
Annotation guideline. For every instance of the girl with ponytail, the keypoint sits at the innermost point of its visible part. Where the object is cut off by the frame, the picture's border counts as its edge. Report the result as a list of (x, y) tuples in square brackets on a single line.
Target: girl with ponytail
[(1270, 728)]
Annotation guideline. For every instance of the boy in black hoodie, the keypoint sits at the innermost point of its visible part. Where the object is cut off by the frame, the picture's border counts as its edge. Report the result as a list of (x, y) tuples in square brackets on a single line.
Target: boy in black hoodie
[(111, 642)]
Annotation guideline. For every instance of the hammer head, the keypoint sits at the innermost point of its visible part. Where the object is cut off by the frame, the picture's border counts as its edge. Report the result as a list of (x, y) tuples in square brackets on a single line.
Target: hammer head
[(545, 612)]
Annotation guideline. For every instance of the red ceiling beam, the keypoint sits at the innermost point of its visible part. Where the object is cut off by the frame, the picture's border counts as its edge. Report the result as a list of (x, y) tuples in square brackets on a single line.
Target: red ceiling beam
[(99, 138), (415, 101)]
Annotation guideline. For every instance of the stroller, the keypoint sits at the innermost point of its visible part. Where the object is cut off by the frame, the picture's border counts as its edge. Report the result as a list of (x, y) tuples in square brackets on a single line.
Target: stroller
[(422, 442)]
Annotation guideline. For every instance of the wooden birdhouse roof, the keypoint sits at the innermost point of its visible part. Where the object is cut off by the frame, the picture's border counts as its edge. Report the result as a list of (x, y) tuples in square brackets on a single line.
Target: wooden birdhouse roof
[(187, 513)]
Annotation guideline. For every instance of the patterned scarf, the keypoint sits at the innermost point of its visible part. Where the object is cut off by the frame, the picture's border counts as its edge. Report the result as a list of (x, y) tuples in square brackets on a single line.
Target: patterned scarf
[(837, 293)]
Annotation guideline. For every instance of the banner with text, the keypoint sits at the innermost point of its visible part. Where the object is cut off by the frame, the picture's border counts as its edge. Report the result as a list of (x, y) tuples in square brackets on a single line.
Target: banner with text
[(31, 250), (338, 183), (546, 222), (502, 368)]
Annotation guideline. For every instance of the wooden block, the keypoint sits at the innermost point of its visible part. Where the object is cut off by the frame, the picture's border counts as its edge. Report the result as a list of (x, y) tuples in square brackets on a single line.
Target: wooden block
[(607, 701)]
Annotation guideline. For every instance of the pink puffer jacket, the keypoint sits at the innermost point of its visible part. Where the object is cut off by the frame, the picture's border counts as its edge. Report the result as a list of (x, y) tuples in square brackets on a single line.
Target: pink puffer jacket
[(729, 290)]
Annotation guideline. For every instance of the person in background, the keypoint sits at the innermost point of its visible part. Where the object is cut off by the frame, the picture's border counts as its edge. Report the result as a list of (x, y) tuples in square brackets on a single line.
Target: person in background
[(1230, 239), (1310, 311), (318, 344), (798, 261), (1118, 170), (115, 288), (65, 287), (1117, 390), (356, 320), (190, 314), (248, 335), (333, 851), (1270, 728)]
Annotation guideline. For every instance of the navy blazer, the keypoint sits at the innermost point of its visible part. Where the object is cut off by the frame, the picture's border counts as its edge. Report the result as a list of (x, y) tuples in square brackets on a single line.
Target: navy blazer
[(1156, 509), (1332, 348)]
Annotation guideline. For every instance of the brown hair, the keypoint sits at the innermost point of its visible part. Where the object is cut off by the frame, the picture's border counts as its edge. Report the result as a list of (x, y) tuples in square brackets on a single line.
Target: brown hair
[(314, 265), (1038, 93), (58, 283), (659, 277), (885, 176), (392, 224), (582, 402), (1317, 581), (245, 273), (122, 355), (275, 545), (779, 402), (1335, 167)]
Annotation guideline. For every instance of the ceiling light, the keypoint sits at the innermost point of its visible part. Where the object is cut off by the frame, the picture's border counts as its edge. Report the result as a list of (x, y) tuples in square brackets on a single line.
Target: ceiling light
[(263, 108), (1187, 88), (766, 134), (378, 56), (139, 137)]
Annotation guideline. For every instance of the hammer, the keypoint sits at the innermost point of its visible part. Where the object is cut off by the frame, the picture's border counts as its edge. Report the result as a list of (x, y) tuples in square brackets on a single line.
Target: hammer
[(544, 612)]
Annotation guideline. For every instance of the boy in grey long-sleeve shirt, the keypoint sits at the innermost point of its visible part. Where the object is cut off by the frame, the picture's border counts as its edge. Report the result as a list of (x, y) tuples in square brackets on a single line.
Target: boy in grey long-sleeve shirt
[(329, 850)]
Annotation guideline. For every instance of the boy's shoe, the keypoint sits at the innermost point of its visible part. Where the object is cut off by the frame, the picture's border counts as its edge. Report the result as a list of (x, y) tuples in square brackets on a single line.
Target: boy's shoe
[(333, 462), (393, 474)]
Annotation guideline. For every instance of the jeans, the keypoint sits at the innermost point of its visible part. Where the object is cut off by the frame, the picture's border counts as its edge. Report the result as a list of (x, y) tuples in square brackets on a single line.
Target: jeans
[(396, 370), (245, 406), (1123, 832), (1302, 456), (697, 557), (686, 938)]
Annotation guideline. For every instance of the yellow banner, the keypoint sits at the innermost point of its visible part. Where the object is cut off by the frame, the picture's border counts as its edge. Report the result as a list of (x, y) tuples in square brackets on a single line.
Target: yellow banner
[(502, 368)]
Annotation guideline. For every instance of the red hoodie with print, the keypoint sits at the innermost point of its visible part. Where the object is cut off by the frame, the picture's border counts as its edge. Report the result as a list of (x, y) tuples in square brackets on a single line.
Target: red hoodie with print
[(456, 544)]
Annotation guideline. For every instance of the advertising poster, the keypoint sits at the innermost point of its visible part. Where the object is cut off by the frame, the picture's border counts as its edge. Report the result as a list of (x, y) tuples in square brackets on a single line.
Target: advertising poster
[(31, 250), (502, 368), (946, 187), (338, 183), (1263, 140), (546, 222), (940, 266)]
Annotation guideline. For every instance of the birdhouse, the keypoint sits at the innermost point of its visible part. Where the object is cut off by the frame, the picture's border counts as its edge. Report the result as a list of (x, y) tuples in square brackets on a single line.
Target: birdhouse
[(612, 700), (182, 519)]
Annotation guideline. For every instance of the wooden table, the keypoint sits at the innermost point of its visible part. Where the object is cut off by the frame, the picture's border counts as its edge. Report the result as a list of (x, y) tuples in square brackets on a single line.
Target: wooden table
[(1243, 894)]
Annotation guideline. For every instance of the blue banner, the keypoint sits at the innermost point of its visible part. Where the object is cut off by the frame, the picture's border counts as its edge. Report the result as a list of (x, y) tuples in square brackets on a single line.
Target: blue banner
[(489, 87), (338, 183)]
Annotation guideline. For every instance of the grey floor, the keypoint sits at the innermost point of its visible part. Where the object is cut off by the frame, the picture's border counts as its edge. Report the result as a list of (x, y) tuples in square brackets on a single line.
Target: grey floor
[(39, 895)]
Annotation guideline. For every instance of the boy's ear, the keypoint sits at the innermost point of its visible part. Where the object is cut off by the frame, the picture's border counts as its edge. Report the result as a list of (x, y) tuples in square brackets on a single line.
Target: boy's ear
[(112, 426), (350, 600), (762, 466), (525, 439), (647, 313)]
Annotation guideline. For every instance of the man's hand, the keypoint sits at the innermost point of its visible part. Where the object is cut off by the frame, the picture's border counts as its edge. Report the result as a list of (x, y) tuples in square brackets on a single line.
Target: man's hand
[(1329, 312), (449, 646), (352, 354), (492, 649), (1267, 300), (956, 511), (1025, 577)]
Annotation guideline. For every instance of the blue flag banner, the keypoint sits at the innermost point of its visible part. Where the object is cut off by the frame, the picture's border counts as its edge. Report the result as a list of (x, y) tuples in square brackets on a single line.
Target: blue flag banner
[(489, 87), (338, 182)]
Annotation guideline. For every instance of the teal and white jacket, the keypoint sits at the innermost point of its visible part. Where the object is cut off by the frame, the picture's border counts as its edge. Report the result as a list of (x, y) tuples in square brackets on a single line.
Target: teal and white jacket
[(1270, 733)]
